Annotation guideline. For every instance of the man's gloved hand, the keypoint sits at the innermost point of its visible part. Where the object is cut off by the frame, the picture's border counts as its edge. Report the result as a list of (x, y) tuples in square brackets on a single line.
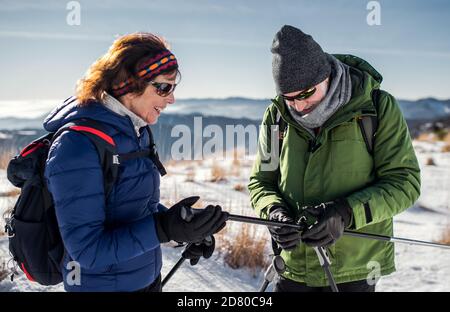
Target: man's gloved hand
[(203, 249), (333, 217), (286, 237), (171, 224)]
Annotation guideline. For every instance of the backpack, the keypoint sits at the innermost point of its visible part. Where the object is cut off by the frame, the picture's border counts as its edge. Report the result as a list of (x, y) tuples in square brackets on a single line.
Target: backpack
[(35, 243), (367, 124)]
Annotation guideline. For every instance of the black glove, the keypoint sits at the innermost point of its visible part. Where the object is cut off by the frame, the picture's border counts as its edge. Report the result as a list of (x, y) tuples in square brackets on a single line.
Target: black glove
[(286, 237), (204, 249), (171, 224), (333, 217)]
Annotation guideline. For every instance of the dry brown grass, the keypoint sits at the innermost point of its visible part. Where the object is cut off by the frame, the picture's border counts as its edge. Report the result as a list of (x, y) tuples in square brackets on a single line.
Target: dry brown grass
[(235, 169), (239, 187), (190, 176), (236, 155), (445, 239), (435, 136), (14, 192), (5, 157), (427, 137), (447, 138), (430, 162), (217, 173), (243, 250), (446, 148)]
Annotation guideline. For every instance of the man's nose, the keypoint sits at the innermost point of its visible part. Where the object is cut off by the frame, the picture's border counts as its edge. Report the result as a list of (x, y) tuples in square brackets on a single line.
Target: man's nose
[(301, 103)]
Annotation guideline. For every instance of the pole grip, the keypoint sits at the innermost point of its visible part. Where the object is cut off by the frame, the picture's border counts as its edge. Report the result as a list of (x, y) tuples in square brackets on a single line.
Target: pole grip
[(186, 213)]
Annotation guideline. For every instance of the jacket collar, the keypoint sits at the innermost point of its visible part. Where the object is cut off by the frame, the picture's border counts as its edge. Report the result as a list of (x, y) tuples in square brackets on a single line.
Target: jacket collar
[(116, 106)]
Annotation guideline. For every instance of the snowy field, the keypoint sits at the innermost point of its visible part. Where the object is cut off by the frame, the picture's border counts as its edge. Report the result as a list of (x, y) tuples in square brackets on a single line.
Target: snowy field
[(418, 268)]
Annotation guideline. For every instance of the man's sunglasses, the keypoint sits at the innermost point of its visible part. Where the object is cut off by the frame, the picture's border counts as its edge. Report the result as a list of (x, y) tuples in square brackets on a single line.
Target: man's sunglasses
[(163, 88), (301, 96)]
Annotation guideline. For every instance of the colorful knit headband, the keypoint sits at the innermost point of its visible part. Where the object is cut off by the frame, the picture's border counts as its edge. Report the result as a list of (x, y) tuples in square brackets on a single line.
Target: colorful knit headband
[(164, 61)]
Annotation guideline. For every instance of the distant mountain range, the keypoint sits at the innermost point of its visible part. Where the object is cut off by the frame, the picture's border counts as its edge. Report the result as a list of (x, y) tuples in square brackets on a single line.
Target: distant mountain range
[(221, 112), (428, 109)]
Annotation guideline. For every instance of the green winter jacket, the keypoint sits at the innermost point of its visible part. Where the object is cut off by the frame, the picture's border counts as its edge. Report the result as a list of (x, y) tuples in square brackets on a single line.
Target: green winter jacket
[(377, 187)]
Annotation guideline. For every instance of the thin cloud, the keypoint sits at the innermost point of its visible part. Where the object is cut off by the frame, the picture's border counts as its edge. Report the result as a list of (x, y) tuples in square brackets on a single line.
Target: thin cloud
[(218, 42), (396, 52), (54, 36)]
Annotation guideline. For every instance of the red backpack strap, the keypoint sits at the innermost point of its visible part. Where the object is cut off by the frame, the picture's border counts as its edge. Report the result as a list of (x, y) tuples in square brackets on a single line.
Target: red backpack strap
[(94, 131), (105, 145)]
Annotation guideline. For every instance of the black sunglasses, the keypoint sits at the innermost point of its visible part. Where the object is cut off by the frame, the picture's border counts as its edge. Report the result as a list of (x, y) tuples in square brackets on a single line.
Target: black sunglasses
[(301, 96), (163, 88)]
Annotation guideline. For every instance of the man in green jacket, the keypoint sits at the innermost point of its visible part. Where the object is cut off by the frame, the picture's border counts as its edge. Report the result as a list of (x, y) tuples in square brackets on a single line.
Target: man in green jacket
[(326, 165)]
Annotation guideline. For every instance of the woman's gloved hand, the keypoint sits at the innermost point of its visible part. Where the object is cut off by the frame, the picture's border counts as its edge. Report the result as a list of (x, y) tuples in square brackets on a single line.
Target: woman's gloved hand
[(174, 225), (203, 249)]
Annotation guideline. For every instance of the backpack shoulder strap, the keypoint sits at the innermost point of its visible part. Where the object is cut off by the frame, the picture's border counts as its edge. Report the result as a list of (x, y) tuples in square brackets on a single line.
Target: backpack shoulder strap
[(151, 153), (282, 126), (105, 145), (369, 124), (154, 154)]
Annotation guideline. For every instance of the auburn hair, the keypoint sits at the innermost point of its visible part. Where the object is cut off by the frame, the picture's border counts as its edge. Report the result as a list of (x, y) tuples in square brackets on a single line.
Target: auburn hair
[(119, 64)]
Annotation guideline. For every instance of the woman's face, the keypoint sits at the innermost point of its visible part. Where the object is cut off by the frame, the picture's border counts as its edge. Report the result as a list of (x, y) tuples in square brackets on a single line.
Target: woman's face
[(150, 104)]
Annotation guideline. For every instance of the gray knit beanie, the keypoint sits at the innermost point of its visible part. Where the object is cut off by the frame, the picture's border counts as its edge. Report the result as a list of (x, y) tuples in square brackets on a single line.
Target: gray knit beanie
[(298, 62)]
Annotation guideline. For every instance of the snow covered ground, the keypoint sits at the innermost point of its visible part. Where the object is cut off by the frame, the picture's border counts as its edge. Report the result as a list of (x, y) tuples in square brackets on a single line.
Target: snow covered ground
[(418, 268)]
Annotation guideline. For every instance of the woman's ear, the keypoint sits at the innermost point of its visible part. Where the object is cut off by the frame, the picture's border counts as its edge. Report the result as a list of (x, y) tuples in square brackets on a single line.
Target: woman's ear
[(127, 99)]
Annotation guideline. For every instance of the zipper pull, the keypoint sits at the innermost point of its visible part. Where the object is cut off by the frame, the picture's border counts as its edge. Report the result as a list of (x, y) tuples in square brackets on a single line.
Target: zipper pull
[(313, 146)]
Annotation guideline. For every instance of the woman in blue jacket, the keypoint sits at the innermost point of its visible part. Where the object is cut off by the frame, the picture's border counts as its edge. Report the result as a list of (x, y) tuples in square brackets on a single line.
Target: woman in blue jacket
[(115, 240)]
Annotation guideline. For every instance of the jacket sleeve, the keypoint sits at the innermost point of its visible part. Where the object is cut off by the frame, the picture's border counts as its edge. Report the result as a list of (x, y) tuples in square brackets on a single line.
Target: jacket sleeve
[(75, 180), (263, 185), (397, 183)]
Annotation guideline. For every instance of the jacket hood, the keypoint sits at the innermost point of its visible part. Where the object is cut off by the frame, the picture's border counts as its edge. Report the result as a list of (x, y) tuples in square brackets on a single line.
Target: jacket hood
[(69, 111), (360, 64)]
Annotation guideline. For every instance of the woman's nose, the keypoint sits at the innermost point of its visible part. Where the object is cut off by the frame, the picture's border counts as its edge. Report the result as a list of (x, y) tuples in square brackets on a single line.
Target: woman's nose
[(171, 98)]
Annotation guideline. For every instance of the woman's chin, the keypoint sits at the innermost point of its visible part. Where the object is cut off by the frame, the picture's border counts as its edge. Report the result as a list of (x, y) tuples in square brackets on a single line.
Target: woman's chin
[(151, 120)]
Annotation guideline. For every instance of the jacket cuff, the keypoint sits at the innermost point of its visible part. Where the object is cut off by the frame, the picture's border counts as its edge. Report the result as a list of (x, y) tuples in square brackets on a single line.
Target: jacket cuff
[(162, 236), (345, 211), (264, 204)]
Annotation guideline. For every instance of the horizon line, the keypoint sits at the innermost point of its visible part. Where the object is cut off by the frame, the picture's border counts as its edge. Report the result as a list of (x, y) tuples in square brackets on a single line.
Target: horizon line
[(58, 100)]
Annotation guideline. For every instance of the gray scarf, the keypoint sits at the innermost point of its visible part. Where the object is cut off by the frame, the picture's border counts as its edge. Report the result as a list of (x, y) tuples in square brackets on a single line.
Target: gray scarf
[(116, 106), (338, 94)]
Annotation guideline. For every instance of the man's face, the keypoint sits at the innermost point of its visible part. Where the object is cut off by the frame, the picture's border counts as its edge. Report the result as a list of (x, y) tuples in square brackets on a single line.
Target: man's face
[(307, 105)]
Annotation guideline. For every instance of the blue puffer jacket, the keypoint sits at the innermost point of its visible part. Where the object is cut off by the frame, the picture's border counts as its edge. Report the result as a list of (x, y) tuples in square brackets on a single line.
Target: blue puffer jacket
[(125, 255)]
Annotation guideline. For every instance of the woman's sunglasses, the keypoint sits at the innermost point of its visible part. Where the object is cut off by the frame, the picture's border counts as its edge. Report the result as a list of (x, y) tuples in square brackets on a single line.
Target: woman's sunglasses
[(301, 96), (163, 88)]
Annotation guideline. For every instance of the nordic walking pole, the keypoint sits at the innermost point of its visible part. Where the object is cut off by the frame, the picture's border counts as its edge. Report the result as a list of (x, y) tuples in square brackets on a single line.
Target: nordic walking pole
[(276, 266), (391, 239), (173, 270), (325, 263), (396, 239), (186, 215)]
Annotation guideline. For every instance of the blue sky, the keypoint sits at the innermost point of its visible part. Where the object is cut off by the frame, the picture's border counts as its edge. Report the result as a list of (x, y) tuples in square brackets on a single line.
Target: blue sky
[(223, 46)]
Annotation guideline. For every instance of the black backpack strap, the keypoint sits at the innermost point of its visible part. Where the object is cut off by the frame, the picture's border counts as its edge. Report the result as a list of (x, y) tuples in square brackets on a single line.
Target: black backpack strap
[(133, 155), (282, 126), (104, 144), (154, 154), (369, 124)]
